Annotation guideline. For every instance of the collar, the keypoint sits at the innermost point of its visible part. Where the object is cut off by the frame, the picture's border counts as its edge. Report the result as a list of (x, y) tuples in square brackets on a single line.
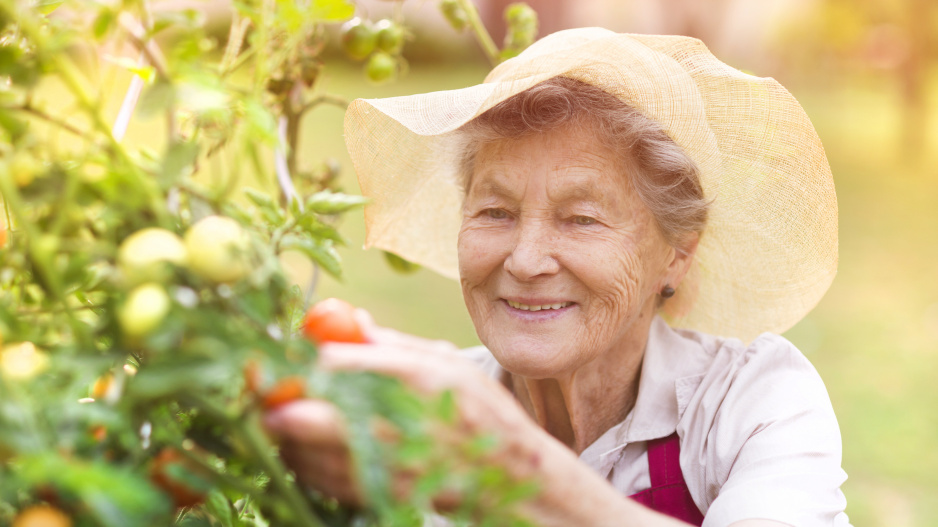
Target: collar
[(672, 368)]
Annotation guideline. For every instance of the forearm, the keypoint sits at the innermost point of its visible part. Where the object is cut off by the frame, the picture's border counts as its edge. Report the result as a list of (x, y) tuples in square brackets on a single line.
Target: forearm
[(573, 494)]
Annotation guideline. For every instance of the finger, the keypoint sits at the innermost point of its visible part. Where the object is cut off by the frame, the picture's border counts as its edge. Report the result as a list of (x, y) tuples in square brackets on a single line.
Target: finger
[(307, 421), (388, 360), (366, 322), (393, 337)]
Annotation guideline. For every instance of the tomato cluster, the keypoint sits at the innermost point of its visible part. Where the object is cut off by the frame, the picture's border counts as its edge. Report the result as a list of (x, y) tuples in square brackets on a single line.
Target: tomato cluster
[(380, 42), (330, 320)]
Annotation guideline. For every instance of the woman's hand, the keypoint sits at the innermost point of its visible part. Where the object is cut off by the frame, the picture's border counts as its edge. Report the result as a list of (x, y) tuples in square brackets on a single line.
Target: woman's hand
[(314, 442)]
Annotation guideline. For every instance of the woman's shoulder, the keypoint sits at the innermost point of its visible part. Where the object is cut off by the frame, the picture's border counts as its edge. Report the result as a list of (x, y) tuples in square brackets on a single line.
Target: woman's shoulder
[(752, 386), (759, 430)]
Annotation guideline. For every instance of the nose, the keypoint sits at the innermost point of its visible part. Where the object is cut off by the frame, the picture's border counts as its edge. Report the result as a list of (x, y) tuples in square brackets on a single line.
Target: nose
[(534, 252)]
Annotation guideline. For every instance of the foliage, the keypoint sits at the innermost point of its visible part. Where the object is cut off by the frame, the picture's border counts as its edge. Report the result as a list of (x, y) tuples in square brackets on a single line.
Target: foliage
[(134, 297)]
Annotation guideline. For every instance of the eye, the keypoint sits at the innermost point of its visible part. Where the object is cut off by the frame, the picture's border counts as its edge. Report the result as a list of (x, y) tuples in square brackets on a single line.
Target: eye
[(496, 214), (584, 220)]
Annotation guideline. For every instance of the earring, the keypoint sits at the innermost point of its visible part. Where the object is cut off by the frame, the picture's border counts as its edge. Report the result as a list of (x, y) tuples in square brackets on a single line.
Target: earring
[(667, 292)]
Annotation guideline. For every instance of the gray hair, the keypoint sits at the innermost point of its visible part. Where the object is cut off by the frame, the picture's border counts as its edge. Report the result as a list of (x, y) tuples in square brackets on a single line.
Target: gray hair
[(665, 178)]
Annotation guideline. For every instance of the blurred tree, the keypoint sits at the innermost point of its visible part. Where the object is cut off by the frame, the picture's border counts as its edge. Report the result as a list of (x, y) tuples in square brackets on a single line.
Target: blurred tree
[(844, 37)]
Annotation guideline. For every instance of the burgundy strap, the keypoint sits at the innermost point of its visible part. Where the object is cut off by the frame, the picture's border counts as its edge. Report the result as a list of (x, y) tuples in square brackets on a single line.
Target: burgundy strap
[(668, 493)]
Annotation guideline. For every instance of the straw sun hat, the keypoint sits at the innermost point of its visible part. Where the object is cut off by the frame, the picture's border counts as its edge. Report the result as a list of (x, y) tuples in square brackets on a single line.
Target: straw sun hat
[(769, 251)]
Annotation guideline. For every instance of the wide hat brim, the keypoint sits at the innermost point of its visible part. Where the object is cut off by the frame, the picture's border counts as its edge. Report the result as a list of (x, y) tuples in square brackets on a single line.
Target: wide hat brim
[(769, 252)]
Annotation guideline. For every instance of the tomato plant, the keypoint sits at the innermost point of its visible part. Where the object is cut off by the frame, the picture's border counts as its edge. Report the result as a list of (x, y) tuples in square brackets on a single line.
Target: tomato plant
[(146, 323)]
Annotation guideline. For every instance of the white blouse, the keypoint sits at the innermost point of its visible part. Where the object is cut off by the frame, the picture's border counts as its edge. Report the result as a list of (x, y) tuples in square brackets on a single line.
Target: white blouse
[(759, 438)]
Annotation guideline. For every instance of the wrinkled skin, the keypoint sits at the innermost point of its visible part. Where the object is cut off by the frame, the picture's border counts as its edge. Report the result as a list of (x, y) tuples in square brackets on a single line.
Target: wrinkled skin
[(551, 218)]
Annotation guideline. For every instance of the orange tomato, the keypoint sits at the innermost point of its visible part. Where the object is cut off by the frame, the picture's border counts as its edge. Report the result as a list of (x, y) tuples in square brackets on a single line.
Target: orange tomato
[(42, 516), (160, 474), (98, 433), (101, 385), (287, 390), (333, 320), (252, 376)]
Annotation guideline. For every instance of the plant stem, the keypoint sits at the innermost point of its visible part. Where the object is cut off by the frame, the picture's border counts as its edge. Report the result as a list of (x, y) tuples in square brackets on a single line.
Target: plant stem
[(326, 98), (31, 110), (278, 475), (259, 447), (482, 35), (239, 26)]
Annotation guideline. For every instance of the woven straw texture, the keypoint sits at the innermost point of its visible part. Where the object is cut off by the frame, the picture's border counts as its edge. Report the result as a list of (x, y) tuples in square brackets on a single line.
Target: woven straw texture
[(769, 252)]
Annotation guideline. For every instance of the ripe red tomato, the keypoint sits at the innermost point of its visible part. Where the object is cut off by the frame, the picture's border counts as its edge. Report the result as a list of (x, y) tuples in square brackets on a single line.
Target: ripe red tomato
[(168, 462), (42, 516), (333, 320), (287, 390)]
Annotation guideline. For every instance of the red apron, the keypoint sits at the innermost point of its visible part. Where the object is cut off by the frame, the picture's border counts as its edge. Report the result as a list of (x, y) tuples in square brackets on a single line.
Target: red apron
[(668, 493)]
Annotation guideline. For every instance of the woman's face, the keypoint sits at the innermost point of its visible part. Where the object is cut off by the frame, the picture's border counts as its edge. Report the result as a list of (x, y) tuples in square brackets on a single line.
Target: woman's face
[(558, 257)]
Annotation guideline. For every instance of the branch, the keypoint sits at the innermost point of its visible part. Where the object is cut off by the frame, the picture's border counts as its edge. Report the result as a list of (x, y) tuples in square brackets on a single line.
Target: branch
[(335, 100), (36, 112), (147, 47), (482, 35)]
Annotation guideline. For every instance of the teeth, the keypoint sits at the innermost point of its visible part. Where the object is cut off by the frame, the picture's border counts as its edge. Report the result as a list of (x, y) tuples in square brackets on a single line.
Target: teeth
[(525, 307)]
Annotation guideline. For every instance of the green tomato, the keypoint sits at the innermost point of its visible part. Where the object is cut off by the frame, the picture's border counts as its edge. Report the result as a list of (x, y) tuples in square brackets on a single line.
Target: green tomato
[(24, 168), (381, 67), (22, 361), (454, 14), (145, 307), (390, 36), (143, 255), (358, 38), (218, 249)]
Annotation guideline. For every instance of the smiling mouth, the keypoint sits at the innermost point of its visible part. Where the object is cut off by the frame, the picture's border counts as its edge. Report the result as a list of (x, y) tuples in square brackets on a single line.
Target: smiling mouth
[(526, 307)]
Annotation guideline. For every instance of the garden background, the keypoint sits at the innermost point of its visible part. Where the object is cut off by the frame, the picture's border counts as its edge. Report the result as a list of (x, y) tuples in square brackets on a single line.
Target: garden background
[(866, 71)]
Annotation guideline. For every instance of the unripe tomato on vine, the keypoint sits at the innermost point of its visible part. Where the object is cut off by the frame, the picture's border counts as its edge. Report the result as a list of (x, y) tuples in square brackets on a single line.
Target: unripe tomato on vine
[(358, 38), (145, 307), (454, 14), (390, 36), (22, 361), (144, 255), (42, 516), (218, 249), (381, 67)]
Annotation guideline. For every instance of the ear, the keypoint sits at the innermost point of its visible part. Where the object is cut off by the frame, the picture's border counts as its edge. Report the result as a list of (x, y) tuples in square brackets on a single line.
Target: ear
[(681, 258)]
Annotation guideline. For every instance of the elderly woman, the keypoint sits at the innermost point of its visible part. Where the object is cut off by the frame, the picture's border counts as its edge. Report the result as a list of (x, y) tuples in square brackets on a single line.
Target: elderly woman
[(596, 194)]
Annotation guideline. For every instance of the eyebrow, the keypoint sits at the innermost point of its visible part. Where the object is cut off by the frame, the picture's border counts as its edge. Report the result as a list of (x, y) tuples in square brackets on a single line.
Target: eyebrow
[(589, 192)]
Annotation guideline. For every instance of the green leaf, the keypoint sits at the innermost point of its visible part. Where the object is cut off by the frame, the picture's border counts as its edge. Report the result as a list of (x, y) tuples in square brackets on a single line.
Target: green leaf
[(259, 198), (331, 10), (321, 252), (399, 264), (115, 496), (147, 73), (220, 508), (156, 99), (103, 23), (269, 208), (14, 127), (328, 202), (179, 157), (47, 6), (261, 122), (317, 229)]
